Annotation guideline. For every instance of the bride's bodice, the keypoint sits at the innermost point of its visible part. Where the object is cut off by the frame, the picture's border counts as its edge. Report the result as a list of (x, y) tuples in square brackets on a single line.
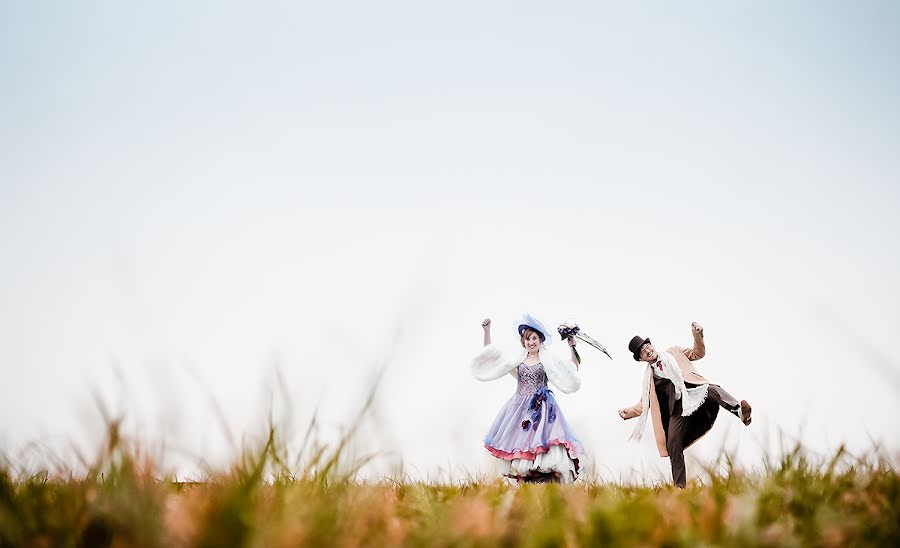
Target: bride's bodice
[(531, 378)]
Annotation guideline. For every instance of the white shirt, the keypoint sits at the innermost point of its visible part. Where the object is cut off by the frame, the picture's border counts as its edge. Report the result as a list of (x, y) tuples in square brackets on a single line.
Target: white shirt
[(658, 373)]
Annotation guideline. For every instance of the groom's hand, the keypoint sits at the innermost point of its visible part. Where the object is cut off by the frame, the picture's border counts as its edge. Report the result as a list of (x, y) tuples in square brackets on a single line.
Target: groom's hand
[(697, 328)]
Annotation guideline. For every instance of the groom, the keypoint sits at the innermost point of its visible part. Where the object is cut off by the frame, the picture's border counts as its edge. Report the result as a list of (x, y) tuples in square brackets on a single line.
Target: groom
[(683, 404)]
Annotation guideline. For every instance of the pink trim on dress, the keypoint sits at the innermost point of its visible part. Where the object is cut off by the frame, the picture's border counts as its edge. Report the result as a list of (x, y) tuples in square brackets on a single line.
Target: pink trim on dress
[(531, 455)]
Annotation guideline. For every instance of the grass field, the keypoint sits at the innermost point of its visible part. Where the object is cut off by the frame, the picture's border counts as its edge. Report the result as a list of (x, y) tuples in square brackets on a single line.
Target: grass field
[(260, 501)]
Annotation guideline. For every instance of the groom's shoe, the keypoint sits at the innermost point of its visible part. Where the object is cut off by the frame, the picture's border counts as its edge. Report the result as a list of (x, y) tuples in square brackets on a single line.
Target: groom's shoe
[(744, 412)]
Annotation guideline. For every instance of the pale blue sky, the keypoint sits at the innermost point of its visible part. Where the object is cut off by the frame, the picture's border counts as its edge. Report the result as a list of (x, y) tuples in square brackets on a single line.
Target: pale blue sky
[(204, 190)]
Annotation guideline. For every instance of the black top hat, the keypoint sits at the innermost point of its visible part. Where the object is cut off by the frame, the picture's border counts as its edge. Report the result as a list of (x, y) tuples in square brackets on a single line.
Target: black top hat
[(635, 346)]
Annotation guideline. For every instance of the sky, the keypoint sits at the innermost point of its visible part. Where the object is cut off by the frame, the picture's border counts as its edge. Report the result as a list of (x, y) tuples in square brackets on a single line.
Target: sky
[(211, 211)]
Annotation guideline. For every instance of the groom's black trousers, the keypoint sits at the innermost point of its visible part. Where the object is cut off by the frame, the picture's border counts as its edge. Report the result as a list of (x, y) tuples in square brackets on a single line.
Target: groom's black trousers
[(683, 431)]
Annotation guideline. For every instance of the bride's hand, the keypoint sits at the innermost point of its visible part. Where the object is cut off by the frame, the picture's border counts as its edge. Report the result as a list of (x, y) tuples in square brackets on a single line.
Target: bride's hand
[(486, 323)]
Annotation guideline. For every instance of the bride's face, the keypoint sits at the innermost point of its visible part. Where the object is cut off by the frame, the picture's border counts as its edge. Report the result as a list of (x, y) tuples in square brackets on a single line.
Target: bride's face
[(531, 341)]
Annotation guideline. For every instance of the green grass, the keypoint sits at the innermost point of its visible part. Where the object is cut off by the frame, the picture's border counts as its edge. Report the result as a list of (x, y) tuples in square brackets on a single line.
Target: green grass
[(262, 501)]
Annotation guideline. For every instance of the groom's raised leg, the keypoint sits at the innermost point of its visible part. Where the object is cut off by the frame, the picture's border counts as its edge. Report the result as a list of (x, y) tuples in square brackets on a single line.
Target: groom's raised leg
[(725, 400), (728, 402)]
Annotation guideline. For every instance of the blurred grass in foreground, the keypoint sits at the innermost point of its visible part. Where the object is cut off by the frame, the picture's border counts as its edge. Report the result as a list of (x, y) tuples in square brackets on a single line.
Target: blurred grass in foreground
[(262, 501)]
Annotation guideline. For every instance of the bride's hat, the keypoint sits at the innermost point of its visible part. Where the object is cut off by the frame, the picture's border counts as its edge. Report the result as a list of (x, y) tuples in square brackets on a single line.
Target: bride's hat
[(529, 321)]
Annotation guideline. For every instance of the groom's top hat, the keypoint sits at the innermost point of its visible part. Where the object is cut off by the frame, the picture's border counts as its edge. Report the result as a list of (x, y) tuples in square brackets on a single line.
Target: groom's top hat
[(635, 346)]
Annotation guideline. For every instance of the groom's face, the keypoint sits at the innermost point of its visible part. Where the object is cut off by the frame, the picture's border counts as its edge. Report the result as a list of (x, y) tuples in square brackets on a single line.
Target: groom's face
[(648, 353)]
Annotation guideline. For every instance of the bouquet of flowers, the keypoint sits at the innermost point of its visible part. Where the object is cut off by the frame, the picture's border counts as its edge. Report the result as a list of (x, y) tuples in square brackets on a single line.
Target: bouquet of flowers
[(571, 329)]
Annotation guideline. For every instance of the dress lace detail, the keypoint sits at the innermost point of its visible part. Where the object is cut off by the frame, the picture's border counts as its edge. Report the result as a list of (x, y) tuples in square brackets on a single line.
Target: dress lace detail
[(531, 378)]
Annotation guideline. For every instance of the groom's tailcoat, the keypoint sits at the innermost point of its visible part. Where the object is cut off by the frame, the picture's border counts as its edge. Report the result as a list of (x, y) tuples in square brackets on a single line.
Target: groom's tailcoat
[(704, 416)]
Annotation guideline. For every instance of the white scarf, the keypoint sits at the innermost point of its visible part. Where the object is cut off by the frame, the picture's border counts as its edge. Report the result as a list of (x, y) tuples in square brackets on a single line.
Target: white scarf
[(691, 398)]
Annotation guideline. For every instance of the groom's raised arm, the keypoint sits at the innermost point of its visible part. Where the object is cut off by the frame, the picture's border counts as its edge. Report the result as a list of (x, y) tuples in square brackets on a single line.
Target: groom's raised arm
[(699, 349)]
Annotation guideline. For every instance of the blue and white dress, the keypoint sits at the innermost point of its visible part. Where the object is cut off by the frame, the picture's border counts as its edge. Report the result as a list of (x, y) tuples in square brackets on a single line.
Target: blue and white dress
[(531, 434)]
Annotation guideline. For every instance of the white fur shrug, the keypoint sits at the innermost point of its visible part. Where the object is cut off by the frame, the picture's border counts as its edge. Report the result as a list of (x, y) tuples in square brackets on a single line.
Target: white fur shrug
[(490, 364)]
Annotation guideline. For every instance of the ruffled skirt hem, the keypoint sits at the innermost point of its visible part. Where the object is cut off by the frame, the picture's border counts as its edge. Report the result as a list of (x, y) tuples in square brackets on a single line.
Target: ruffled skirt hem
[(554, 465), (531, 454)]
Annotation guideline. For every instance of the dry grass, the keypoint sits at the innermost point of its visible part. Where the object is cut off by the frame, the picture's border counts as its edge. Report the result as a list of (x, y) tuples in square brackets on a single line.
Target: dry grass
[(260, 501)]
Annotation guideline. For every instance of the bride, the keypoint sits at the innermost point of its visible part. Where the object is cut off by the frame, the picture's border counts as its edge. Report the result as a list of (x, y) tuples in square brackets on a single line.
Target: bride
[(530, 434)]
